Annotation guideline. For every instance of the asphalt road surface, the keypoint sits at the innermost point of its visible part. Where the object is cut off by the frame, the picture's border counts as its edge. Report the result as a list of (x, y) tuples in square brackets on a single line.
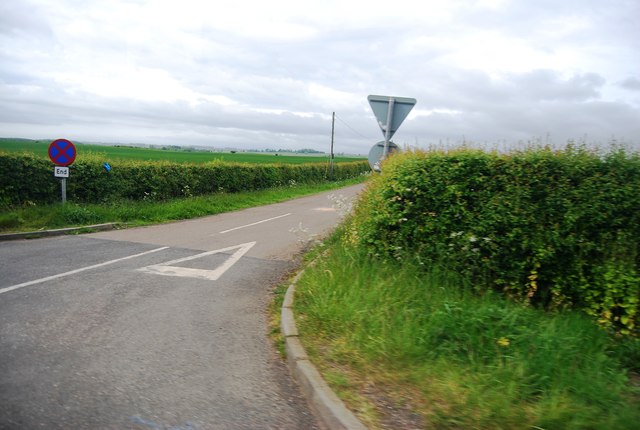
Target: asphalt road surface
[(163, 327)]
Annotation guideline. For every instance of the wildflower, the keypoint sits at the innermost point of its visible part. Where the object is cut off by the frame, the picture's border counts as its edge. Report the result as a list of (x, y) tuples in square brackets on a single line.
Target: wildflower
[(503, 341)]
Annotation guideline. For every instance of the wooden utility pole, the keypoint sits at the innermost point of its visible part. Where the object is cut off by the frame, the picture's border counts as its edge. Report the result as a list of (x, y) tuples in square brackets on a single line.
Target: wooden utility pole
[(333, 123)]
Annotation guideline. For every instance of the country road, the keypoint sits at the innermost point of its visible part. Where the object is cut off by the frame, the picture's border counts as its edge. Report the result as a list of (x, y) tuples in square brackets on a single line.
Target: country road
[(162, 327)]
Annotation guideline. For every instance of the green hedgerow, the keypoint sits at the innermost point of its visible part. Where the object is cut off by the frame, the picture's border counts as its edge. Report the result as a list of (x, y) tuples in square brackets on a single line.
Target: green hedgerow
[(24, 177), (548, 228)]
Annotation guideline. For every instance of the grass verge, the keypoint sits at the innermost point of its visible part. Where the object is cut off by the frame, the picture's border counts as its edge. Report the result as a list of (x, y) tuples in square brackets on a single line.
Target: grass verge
[(407, 347), (136, 213)]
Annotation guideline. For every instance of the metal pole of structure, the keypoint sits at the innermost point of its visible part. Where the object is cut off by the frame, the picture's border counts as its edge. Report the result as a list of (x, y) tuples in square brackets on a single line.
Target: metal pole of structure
[(333, 123), (64, 190), (387, 131)]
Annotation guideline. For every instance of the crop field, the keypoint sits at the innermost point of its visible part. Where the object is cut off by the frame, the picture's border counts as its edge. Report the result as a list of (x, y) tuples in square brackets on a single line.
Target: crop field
[(111, 153), (156, 174)]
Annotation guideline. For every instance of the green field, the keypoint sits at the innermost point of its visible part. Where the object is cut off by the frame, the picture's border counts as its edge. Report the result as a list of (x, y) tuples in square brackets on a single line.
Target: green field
[(110, 153)]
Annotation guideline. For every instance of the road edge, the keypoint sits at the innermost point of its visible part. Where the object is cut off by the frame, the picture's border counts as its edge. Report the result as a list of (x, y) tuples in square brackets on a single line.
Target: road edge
[(57, 232), (329, 408)]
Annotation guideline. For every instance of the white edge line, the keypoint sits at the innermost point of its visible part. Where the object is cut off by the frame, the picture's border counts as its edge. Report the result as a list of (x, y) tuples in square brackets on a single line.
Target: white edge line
[(255, 223), (73, 272)]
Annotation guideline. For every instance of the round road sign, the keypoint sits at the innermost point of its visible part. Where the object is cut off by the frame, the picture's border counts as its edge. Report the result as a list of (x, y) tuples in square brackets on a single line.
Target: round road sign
[(62, 152), (376, 152)]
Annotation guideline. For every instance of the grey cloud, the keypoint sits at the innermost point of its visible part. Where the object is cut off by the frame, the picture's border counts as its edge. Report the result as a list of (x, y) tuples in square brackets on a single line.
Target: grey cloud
[(631, 83), (355, 60), (547, 85), (561, 120), (522, 107), (23, 19)]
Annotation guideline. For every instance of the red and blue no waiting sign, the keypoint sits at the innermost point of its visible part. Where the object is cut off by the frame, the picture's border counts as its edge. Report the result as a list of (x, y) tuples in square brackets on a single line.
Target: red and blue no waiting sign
[(62, 152)]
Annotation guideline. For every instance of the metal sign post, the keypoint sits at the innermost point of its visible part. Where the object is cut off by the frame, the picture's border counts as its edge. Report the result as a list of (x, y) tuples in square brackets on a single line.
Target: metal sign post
[(62, 153), (62, 172), (387, 131)]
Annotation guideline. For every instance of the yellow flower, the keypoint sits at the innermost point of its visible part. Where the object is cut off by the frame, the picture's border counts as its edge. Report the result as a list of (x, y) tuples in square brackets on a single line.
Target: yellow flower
[(503, 341)]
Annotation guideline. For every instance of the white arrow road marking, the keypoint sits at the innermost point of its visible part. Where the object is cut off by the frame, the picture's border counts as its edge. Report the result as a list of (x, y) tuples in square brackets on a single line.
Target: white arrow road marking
[(255, 223), (167, 269)]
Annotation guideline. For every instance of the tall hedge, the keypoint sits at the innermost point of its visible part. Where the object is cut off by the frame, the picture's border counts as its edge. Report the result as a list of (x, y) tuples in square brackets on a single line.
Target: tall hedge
[(25, 178), (550, 228)]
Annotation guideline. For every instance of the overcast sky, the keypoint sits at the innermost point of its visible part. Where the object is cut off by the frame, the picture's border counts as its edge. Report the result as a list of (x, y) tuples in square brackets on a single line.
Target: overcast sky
[(268, 74)]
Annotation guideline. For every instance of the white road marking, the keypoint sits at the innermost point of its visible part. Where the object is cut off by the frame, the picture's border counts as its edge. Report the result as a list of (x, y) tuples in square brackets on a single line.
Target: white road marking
[(167, 269), (254, 223), (73, 272)]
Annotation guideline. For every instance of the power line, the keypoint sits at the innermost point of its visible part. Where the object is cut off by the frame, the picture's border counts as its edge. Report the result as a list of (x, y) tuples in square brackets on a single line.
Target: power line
[(352, 129)]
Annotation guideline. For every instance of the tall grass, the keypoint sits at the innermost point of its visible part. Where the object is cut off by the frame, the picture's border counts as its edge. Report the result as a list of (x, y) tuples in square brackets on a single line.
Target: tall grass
[(476, 361)]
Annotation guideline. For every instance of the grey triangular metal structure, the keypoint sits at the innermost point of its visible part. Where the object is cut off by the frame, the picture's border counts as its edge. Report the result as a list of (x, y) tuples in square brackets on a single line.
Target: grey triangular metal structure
[(381, 106), (390, 112)]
